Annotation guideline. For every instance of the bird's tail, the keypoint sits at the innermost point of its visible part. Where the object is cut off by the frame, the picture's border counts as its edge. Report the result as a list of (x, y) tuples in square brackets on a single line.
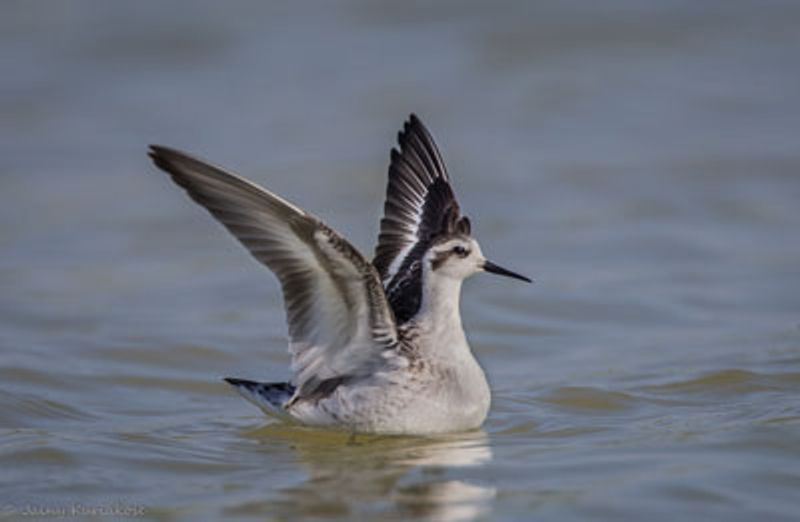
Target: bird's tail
[(271, 397)]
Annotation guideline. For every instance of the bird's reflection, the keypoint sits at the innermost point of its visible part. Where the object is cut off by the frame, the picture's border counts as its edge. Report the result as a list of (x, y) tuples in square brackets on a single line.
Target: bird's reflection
[(424, 478)]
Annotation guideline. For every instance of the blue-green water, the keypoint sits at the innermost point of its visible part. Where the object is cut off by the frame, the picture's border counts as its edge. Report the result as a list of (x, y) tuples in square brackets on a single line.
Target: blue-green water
[(640, 162)]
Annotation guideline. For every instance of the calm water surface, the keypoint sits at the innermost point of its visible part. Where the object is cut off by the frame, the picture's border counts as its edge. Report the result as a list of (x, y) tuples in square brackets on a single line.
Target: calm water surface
[(641, 163)]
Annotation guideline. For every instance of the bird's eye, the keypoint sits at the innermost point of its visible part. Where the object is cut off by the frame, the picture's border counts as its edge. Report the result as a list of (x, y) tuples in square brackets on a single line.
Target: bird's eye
[(460, 251)]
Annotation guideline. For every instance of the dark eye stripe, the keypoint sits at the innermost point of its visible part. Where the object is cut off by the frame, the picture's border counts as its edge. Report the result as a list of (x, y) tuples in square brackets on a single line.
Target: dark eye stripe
[(439, 259)]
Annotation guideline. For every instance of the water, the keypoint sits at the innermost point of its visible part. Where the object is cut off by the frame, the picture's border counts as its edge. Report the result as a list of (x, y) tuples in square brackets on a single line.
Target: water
[(641, 162)]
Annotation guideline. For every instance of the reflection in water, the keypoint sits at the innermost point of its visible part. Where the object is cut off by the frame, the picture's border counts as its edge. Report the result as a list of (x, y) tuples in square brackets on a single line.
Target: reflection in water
[(418, 477)]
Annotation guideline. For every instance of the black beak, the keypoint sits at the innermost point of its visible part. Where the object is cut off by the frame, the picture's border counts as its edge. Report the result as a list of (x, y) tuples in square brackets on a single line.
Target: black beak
[(499, 270)]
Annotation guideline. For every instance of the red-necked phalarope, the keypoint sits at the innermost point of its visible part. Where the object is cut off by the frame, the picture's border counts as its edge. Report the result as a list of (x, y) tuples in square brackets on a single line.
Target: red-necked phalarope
[(376, 347)]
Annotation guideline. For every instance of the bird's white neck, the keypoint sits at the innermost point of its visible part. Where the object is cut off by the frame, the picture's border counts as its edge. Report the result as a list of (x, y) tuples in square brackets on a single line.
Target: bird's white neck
[(439, 316)]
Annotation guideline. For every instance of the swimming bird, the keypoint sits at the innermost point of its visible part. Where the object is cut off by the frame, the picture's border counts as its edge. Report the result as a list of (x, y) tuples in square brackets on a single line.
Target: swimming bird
[(376, 347)]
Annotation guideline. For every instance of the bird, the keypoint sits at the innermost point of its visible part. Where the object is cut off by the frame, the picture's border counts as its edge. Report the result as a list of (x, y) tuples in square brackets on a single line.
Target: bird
[(376, 346)]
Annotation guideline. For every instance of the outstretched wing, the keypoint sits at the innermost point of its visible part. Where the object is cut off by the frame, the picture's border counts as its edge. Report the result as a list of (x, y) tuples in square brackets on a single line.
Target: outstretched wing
[(339, 320), (420, 207)]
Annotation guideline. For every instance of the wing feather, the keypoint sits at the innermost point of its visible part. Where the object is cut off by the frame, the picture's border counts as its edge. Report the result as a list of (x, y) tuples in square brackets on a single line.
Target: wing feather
[(420, 207), (339, 320)]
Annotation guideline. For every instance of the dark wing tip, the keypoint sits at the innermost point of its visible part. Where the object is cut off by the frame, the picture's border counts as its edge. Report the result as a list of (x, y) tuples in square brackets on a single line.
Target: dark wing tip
[(163, 156), (186, 170), (413, 125), (159, 151), (166, 158), (155, 152), (233, 381), (414, 122), (418, 148)]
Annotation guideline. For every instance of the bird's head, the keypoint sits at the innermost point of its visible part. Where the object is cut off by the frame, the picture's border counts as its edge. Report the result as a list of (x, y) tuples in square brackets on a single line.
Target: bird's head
[(459, 256)]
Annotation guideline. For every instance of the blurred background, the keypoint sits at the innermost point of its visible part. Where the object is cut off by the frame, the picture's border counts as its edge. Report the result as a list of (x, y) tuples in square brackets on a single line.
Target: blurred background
[(639, 160)]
